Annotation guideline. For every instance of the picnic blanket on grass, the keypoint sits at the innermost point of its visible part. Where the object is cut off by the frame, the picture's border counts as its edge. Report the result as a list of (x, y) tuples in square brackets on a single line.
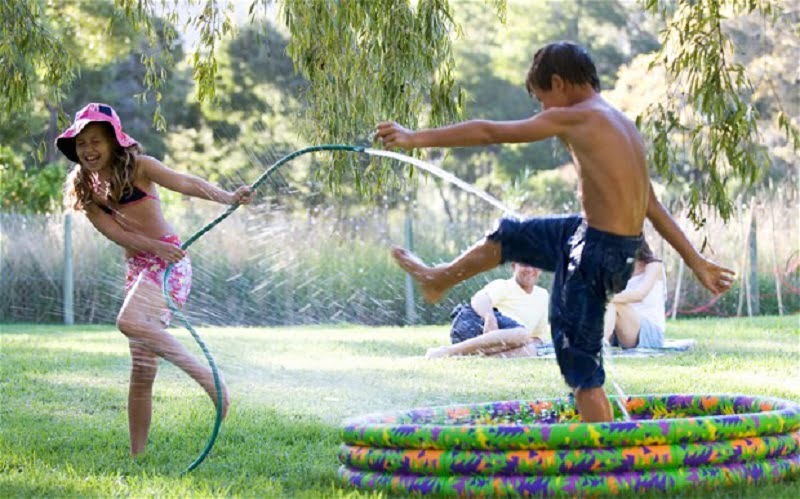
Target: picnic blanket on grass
[(547, 351)]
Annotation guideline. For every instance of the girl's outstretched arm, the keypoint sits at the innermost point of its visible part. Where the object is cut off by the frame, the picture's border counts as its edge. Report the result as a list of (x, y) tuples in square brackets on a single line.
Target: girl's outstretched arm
[(190, 185)]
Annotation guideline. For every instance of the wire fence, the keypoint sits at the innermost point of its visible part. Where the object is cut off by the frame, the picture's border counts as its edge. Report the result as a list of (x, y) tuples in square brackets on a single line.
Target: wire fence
[(265, 267)]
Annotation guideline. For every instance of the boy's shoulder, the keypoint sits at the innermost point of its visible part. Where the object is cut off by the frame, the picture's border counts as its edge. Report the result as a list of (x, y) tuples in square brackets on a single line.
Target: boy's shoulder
[(581, 114), (593, 107)]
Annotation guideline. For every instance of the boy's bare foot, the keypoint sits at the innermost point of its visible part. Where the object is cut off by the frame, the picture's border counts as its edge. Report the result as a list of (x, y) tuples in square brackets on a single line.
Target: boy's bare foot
[(436, 353), (424, 275)]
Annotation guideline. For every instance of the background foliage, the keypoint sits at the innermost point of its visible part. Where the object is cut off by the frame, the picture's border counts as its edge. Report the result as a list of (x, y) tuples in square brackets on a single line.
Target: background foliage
[(417, 62), (246, 83)]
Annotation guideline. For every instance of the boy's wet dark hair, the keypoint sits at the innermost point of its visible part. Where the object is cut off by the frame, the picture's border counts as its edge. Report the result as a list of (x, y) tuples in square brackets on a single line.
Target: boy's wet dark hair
[(568, 60)]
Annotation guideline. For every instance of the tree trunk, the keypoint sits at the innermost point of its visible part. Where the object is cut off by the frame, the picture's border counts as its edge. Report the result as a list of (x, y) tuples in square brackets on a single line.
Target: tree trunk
[(50, 135), (444, 201), (676, 302), (744, 288), (753, 251), (411, 308), (775, 266)]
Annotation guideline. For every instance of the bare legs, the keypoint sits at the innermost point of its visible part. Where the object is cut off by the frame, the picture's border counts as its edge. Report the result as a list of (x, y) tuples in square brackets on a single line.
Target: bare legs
[(526, 350), (515, 342), (144, 366), (593, 405), (140, 320), (434, 282), (621, 320)]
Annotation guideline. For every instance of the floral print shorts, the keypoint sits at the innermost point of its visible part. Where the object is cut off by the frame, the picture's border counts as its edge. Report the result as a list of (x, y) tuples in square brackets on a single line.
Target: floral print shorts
[(153, 268)]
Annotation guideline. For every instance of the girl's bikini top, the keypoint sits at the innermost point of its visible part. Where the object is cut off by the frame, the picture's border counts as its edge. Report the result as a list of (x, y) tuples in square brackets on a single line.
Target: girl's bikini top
[(133, 196)]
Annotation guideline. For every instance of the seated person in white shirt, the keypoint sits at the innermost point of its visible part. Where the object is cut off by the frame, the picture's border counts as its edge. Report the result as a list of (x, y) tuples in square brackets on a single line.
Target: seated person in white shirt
[(507, 318), (636, 316)]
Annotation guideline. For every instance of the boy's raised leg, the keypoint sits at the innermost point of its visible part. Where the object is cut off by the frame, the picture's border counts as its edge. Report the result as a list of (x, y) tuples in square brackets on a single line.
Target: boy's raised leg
[(434, 282)]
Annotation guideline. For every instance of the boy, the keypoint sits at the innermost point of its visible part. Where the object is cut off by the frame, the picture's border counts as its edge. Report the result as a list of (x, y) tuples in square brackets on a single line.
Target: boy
[(591, 254)]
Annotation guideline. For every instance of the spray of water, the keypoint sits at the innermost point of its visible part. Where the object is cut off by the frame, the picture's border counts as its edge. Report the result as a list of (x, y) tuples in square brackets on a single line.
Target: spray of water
[(447, 176), (266, 251)]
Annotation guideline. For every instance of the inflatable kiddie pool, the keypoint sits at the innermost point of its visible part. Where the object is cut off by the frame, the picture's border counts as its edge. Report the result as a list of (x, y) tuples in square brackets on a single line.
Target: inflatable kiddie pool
[(671, 442)]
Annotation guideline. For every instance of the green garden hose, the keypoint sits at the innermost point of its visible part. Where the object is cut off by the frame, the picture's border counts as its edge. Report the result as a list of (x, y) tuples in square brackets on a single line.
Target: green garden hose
[(198, 235)]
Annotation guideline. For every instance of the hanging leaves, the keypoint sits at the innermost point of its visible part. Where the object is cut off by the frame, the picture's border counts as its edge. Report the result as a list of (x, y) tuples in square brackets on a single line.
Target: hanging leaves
[(710, 105), (368, 61), (31, 54)]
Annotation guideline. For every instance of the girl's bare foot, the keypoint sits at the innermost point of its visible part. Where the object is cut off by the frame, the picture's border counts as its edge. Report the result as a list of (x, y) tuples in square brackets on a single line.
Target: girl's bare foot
[(425, 276), (226, 402)]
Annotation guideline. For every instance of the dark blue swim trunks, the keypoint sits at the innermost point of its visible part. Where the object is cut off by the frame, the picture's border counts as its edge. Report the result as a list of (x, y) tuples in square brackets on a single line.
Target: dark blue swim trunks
[(468, 324), (589, 267)]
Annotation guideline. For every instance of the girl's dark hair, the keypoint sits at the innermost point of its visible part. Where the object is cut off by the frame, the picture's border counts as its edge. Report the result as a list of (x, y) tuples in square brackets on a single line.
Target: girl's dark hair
[(645, 254), (568, 60)]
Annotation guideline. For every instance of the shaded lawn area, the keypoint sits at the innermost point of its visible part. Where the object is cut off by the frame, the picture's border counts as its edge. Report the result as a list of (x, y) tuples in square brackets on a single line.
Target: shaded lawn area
[(63, 429)]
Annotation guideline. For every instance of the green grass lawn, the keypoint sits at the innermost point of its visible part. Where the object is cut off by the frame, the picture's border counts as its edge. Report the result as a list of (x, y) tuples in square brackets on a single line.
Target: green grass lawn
[(63, 429)]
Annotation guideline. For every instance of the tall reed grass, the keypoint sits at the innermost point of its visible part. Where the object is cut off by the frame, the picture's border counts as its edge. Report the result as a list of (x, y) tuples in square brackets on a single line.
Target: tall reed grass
[(267, 267)]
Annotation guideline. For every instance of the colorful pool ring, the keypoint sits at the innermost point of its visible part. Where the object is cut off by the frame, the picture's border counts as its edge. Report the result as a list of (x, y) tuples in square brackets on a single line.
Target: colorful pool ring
[(541, 448)]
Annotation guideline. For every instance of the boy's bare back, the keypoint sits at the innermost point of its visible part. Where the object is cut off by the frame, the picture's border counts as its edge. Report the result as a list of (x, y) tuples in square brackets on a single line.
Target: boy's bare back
[(609, 155)]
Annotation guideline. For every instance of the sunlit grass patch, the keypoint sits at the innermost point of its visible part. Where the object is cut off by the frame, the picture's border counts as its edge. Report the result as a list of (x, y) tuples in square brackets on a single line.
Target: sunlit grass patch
[(63, 428)]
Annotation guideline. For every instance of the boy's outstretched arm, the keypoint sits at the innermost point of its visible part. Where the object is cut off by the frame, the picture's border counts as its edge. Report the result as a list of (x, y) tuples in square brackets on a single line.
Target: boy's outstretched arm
[(714, 277), (549, 123)]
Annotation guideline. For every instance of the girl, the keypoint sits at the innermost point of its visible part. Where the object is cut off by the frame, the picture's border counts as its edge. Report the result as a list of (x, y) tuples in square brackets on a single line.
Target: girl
[(114, 184), (636, 316)]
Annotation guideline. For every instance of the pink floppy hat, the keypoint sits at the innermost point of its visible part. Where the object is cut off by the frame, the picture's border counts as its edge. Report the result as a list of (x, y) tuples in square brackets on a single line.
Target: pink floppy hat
[(91, 113)]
